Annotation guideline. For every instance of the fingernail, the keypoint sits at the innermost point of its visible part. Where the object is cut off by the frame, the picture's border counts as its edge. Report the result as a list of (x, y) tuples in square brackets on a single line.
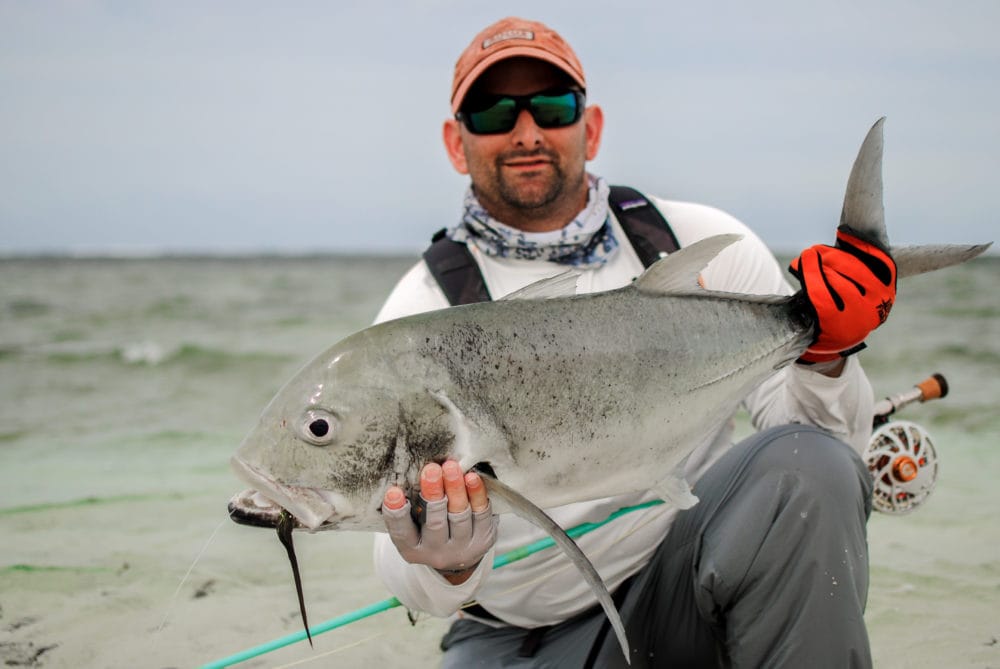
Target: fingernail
[(394, 498), (431, 485), (472, 480), (451, 470)]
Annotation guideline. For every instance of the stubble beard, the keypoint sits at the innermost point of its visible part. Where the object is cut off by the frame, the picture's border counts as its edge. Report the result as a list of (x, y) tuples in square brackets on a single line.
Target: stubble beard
[(536, 199), (530, 198)]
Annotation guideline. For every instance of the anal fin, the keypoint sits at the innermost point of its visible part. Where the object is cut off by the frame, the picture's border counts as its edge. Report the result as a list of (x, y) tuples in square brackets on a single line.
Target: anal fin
[(525, 508), (675, 490)]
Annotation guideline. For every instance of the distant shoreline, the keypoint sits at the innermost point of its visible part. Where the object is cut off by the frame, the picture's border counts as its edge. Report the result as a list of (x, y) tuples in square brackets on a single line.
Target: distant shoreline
[(242, 256), (235, 256)]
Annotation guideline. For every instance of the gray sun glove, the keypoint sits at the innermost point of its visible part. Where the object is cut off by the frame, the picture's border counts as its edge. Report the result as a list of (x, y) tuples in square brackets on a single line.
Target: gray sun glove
[(447, 542)]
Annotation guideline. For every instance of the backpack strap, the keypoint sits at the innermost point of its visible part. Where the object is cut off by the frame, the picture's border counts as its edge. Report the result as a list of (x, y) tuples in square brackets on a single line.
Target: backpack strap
[(456, 272), (644, 225)]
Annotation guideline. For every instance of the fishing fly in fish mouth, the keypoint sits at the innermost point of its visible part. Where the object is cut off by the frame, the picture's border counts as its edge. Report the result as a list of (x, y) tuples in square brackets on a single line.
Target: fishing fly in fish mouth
[(603, 376)]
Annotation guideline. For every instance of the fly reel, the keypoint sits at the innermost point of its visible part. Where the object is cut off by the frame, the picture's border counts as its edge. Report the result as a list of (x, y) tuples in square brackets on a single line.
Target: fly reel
[(904, 466)]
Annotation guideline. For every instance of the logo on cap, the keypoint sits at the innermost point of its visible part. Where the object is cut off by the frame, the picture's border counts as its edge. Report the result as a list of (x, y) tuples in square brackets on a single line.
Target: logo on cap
[(506, 35)]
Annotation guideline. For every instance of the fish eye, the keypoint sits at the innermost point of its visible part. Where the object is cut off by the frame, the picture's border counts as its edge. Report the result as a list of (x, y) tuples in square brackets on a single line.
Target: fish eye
[(318, 427)]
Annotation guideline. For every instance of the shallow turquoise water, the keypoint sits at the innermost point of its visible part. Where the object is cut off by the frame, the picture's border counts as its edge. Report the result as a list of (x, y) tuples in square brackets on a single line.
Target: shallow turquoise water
[(126, 384)]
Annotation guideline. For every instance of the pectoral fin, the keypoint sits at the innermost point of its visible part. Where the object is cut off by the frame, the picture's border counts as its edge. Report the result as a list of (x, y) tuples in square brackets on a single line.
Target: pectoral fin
[(473, 441), (530, 512), (461, 428)]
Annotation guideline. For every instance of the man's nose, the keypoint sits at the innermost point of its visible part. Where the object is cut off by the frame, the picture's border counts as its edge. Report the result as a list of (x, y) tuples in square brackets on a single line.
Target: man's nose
[(526, 132)]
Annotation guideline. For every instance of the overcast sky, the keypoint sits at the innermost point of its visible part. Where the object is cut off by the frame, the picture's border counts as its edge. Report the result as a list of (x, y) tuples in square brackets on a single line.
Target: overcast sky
[(239, 126)]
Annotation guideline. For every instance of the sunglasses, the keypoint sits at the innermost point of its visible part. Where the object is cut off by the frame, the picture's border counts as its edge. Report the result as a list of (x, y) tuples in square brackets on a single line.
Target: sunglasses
[(495, 114)]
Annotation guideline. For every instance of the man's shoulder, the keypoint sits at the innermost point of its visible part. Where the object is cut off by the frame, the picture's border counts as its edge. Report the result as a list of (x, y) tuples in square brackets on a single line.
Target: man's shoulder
[(693, 220), (414, 293), (748, 266)]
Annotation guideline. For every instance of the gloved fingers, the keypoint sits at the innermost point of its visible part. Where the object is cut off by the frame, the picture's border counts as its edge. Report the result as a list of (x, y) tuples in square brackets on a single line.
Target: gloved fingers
[(453, 529), (821, 294), (850, 287), (434, 533), (402, 530), (485, 524), (876, 259), (844, 268), (460, 527), (841, 324), (832, 278), (472, 535)]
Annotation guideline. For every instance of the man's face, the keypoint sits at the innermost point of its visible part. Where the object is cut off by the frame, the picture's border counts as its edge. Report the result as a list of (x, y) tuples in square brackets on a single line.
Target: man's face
[(529, 174)]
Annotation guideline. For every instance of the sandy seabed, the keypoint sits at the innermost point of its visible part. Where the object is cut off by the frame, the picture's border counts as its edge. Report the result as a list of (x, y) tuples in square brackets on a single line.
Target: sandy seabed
[(239, 594)]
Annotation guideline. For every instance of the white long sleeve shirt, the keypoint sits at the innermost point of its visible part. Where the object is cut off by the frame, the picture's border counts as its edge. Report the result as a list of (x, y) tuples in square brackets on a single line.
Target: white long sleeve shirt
[(546, 588)]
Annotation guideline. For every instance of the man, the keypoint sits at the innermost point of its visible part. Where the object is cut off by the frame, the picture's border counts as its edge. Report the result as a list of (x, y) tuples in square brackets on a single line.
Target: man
[(770, 567)]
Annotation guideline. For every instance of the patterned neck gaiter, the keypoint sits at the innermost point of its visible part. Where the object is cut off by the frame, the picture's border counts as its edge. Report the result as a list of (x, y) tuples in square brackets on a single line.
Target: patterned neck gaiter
[(587, 241)]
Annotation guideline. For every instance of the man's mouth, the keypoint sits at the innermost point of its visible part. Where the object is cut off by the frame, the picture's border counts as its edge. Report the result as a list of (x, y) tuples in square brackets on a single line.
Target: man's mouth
[(534, 160), (527, 164)]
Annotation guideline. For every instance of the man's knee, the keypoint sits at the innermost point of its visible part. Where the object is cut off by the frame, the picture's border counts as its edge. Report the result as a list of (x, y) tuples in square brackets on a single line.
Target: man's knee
[(823, 465), (789, 539)]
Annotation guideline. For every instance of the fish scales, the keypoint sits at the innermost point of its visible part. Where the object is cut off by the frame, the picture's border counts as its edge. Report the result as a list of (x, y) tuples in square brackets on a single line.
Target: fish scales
[(608, 392)]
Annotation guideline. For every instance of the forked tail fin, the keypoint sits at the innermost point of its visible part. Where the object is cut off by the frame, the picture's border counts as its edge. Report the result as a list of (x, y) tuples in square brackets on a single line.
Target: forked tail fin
[(864, 215)]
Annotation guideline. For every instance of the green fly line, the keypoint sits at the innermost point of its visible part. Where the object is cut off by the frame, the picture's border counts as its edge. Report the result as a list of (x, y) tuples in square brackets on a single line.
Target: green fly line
[(391, 603)]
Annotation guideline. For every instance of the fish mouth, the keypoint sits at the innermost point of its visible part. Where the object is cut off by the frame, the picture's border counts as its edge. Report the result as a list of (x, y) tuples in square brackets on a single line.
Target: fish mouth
[(250, 507), (262, 505)]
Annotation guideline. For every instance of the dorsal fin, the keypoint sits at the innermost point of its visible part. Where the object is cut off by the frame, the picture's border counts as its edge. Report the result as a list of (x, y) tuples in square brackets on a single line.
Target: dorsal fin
[(560, 285), (677, 273)]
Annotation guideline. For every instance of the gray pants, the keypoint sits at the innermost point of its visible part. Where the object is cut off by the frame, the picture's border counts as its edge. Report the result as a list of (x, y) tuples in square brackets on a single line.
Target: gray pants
[(769, 569)]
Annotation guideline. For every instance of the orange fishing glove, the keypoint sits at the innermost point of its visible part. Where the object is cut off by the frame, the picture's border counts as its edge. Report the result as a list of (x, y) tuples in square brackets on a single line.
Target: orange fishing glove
[(851, 287)]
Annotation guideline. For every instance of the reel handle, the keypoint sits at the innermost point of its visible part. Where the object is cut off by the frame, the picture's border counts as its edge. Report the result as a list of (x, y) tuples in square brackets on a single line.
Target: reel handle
[(932, 388)]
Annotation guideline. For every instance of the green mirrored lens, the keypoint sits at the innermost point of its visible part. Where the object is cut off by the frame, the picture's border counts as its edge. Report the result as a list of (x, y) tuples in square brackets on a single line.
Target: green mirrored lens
[(500, 117), (553, 111)]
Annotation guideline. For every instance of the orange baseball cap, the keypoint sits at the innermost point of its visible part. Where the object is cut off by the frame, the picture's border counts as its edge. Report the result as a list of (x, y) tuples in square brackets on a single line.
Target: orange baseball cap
[(508, 38)]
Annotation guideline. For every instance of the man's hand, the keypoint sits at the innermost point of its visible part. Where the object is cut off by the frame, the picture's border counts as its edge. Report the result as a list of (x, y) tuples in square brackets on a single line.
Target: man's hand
[(457, 526), (851, 287)]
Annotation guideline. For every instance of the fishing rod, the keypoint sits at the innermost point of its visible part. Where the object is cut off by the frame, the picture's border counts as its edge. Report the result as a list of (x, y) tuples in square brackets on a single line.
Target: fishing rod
[(900, 456), (391, 603), (933, 387)]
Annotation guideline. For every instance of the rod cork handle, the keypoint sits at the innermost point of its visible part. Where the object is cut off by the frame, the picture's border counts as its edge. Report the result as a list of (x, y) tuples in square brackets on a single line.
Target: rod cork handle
[(933, 387)]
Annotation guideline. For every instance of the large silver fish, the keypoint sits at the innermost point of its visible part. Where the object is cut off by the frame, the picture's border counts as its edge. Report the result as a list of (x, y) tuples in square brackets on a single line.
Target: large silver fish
[(547, 391)]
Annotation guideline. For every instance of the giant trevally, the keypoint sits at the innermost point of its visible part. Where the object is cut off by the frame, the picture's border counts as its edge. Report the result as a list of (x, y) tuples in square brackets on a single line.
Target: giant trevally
[(545, 390)]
